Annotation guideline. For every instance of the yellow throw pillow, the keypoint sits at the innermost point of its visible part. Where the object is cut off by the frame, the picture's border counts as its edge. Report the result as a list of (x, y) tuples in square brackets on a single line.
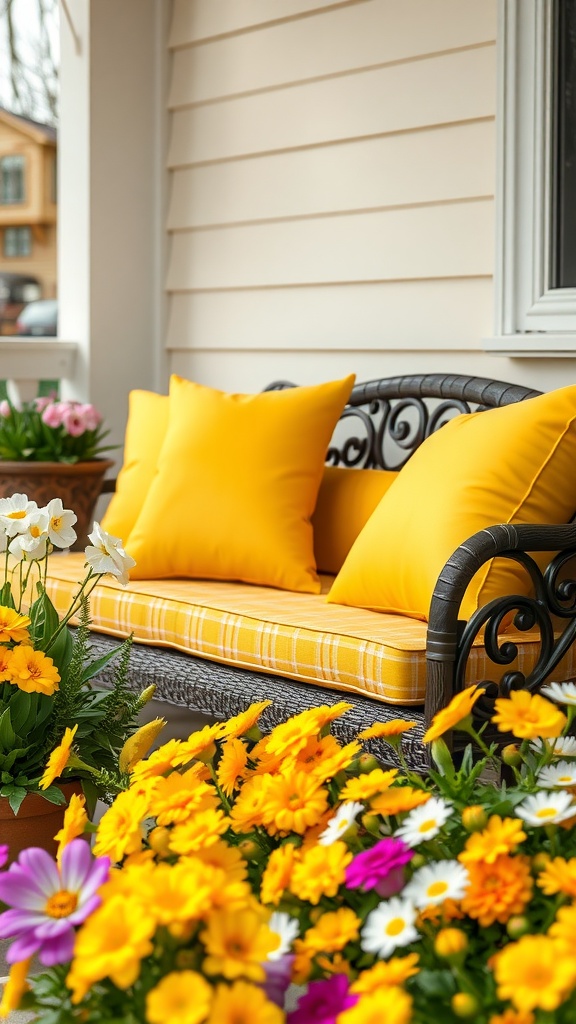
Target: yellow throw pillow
[(509, 465), (145, 432), (346, 500), (236, 484)]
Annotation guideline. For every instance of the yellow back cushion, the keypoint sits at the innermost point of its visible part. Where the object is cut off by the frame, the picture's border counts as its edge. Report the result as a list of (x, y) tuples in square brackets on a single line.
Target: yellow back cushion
[(510, 465), (145, 432), (236, 484), (346, 500)]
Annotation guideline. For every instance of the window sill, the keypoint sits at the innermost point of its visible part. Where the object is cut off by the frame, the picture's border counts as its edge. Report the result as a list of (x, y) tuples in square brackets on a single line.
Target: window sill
[(532, 346)]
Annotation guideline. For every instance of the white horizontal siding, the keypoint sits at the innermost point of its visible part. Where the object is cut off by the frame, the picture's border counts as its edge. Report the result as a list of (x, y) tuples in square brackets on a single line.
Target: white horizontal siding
[(393, 171), (336, 41), (367, 317), (196, 20)]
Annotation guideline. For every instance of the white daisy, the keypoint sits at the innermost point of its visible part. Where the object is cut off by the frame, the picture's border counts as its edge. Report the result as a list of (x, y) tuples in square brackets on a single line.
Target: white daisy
[(15, 513), (546, 808), (287, 929), (563, 693), (562, 746), (434, 883), (106, 554), (560, 774), (60, 523), (390, 925), (345, 817), (424, 822)]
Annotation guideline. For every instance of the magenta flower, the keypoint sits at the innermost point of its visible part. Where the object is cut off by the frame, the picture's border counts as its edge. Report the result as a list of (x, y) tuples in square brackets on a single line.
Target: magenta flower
[(380, 868), (47, 902), (4, 851), (323, 1001)]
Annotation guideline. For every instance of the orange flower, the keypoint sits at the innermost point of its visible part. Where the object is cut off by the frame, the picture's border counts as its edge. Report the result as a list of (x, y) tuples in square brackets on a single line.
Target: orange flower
[(563, 930), (500, 836), (499, 890), (320, 872), (366, 786), (533, 973), (513, 1017), (232, 764), (13, 626), (75, 819), (381, 730), (176, 798), (398, 800), (32, 671), (333, 931), (394, 972), (324, 757), (528, 716), (277, 874), (246, 720), (559, 875), (5, 658), (58, 759), (457, 710), (293, 803)]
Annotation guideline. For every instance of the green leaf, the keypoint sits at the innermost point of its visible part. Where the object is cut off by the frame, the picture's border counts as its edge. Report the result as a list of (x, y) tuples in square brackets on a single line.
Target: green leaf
[(96, 666), (61, 650), (6, 599), (436, 983), (7, 734), (45, 620), (53, 795), (15, 796)]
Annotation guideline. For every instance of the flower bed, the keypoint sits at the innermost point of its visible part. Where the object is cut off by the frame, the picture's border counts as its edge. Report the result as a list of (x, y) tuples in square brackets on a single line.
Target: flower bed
[(235, 863)]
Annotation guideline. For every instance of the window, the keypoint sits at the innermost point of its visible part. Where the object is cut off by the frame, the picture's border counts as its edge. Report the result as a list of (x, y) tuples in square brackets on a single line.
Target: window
[(17, 242), (11, 180), (535, 278)]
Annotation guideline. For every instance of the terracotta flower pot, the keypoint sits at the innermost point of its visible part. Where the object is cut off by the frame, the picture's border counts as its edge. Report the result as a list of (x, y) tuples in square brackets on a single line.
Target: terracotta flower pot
[(78, 486), (36, 823)]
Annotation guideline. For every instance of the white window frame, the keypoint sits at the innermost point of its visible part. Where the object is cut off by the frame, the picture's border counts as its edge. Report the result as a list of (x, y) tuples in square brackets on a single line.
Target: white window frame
[(531, 318)]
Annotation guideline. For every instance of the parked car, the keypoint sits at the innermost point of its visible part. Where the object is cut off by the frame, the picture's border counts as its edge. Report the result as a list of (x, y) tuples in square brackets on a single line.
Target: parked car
[(39, 319), (16, 290)]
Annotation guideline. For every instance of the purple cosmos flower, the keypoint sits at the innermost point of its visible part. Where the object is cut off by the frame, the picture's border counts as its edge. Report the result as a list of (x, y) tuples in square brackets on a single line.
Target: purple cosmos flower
[(380, 868), (323, 1001), (4, 851), (278, 977), (48, 902)]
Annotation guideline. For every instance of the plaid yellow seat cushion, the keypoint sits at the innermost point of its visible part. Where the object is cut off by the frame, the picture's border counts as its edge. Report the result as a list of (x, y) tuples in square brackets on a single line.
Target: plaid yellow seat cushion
[(299, 636)]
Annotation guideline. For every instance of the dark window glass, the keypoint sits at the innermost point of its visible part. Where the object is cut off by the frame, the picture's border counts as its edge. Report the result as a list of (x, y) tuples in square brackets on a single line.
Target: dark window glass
[(11, 180), (17, 242), (563, 269)]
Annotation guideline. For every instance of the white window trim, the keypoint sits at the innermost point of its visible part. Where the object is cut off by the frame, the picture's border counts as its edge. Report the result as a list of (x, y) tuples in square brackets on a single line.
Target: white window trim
[(530, 318)]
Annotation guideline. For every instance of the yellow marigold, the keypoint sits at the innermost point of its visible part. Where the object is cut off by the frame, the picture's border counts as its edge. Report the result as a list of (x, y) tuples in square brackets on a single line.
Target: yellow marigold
[(242, 1003), (440, 913), (332, 931), (302, 965), (288, 738), (159, 762), (513, 1017), (5, 657), (397, 800), (381, 730), (320, 872), (138, 745), (177, 892), (237, 944), (324, 757), (33, 671), (246, 720), (247, 811), (177, 798), (181, 997), (528, 716), (226, 858), (201, 830), (200, 744), (563, 930), (501, 835), (292, 803), (533, 974), (232, 764), (74, 823), (277, 873), (457, 710), (120, 830), (366, 786), (15, 987), (393, 972), (559, 875), (13, 626), (230, 894), (326, 713), (110, 944), (58, 759), (392, 1005), (499, 890), (450, 942)]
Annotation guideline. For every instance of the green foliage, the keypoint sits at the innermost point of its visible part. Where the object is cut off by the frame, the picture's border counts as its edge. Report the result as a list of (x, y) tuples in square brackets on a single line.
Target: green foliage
[(46, 430)]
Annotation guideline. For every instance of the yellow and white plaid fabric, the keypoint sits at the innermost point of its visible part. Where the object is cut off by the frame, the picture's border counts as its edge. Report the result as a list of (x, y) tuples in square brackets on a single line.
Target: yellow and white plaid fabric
[(299, 636)]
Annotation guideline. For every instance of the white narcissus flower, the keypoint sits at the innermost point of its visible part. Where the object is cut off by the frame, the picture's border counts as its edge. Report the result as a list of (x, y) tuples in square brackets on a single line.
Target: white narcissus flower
[(287, 928), (560, 774), (424, 822), (390, 925), (60, 523), (562, 693), (563, 746), (434, 883), (31, 544), (106, 554), (343, 819), (15, 513), (546, 808)]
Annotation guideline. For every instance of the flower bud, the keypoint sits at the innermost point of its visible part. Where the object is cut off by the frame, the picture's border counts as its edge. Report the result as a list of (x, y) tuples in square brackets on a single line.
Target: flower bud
[(450, 942), (367, 763), (518, 926), (137, 745), (540, 861), (250, 850), (159, 840), (442, 757), (371, 822), (511, 755), (418, 861), (146, 696), (464, 1005), (474, 818)]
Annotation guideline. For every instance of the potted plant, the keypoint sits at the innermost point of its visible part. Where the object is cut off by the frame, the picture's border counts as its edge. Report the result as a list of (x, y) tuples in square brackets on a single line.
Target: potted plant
[(47, 695), (50, 447)]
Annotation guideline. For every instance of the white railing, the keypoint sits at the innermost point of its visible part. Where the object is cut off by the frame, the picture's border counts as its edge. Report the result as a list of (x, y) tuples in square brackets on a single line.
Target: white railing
[(24, 362)]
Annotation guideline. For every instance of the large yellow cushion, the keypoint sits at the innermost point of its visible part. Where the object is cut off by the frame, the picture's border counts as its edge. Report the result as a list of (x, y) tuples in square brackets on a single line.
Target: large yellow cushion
[(236, 484), (515, 464), (299, 636), (346, 500), (145, 432)]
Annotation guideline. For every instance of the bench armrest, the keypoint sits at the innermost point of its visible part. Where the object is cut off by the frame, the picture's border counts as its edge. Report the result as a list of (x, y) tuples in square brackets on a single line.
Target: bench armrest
[(449, 640)]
